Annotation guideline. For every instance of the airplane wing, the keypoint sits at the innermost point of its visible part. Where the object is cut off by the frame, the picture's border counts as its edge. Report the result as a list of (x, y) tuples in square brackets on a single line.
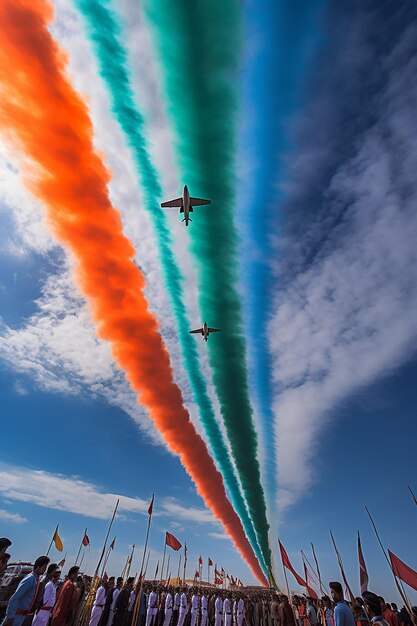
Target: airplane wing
[(172, 203), (198, 330), (214, 330), (199, 201)]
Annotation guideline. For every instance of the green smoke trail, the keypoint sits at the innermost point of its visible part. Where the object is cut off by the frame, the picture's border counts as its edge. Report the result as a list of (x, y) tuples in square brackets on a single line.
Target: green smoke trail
[(199, 46), (106, 37)]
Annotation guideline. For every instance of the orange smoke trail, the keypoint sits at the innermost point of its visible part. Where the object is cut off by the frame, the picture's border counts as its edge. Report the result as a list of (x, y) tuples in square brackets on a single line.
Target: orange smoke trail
[(40, 110)]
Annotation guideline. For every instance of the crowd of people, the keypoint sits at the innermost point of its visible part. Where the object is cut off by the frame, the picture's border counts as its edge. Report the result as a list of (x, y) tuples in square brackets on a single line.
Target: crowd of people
[(42, 599)]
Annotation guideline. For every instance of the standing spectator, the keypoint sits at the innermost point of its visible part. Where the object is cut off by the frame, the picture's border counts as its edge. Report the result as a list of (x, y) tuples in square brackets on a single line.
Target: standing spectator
[(311, 613), (48, 597), (67, 600), (121, 608), (287, 615), (374, 608), (23, 600), (343, 615), (388, 615)]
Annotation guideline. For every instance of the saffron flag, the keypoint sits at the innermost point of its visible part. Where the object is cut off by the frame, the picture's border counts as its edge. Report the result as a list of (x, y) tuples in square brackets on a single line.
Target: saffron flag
[(57, 541), (403, 571), (310, 584), (210, 562), (363, 574), (172, 542), (86, 540), (150, 510), (286, 563)]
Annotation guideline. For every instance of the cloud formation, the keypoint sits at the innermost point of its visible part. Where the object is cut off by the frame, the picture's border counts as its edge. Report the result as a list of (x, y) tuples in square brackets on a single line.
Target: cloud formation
[(74, 495), (346, 315), (14, 518)]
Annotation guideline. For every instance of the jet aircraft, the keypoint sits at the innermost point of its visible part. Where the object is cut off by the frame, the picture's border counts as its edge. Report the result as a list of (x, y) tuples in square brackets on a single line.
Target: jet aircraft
[(186, 204), (205, 331)]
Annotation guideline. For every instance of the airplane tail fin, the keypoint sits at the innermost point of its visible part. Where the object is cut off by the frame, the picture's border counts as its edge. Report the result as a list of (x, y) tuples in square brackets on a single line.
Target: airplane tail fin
[(189, 219)]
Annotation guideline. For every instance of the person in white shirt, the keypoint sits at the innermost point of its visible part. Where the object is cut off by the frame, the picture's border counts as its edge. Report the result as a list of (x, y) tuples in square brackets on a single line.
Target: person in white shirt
[(183, 609), (49, 596), (194, 610), (227, 612), (116, 591), (168, 609), (218, 611), (152, 611), (98, 605), (204, 610), (240, 612)]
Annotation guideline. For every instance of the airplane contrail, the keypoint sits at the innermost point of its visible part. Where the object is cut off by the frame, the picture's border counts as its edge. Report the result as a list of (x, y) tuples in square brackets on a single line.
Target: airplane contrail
[(43, 116), (199, 46), (104, 31)]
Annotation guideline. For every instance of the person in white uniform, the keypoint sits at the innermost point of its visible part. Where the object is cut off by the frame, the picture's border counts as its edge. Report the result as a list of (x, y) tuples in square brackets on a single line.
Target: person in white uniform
[(218, 611), (49, 596), (152, 610), (98, 605), (194, 610), (168, 609), (240, 611), (183, 609), (204, 610), (227, 612), (117, 590)]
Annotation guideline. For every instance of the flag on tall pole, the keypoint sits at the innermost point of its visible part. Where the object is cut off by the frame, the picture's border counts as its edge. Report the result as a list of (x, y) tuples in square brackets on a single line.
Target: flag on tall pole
[(342, 571), (86, 539), (142, 574), (310, 583), (62, 561), (286, 563), (172, 542), (403, 571), (363, 573), (56, 539)]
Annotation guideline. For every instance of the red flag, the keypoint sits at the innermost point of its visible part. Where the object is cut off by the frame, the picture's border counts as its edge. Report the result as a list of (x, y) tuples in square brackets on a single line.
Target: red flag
[(217, 573), (112, 544), (150, 510), (309, 584), (218, 581), (200, 560), (196, 575), (403, 571), (286, 563), (172, 542), (210, 562), (86, 540), (363, 574)]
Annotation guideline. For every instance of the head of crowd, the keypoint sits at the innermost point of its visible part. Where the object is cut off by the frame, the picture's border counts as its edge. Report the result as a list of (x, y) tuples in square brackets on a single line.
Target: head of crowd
[(44, 597)]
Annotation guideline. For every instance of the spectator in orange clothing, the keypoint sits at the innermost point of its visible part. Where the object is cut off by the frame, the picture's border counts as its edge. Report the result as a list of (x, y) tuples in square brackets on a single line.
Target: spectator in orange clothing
[(67, 600), (388, 615)]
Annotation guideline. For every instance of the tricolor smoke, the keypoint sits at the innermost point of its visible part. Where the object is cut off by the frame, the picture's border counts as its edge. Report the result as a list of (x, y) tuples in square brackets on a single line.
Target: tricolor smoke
[(41, 112), (199, 48), (104, 30)]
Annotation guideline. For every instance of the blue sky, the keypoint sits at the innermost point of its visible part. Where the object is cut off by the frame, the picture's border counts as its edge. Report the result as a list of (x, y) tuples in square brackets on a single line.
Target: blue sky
[(335, 303)]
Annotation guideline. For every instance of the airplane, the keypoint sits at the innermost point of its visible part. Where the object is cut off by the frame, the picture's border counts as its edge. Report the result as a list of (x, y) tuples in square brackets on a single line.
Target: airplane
[(186, 204), (205, 331)]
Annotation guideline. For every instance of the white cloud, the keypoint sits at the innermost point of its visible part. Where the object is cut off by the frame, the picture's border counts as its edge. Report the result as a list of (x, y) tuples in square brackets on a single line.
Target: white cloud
[(14, 518), (349, 318), (74, 495)]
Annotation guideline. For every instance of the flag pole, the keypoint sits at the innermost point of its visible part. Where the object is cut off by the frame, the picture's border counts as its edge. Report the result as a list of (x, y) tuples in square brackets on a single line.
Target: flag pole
[(53, 536), (130, 562), (185, 562), (79, 549), (147, 563), (342, 571), (81, 562), (208, 572), (163, 558), (156, 571), (169, 559), (147, 534), (399, 587), (179, 565), (109, 549), (142, 575), (323, 589), (412, 495), (107, 536)]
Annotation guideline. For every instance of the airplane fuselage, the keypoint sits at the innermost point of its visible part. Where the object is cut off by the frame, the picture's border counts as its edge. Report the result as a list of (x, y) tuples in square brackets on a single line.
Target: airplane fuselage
[(186, 204), (205, 332)]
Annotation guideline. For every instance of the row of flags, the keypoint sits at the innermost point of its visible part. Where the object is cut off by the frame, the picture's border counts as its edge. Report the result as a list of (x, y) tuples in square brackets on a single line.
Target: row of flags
[(313, 584), (56, 539)]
